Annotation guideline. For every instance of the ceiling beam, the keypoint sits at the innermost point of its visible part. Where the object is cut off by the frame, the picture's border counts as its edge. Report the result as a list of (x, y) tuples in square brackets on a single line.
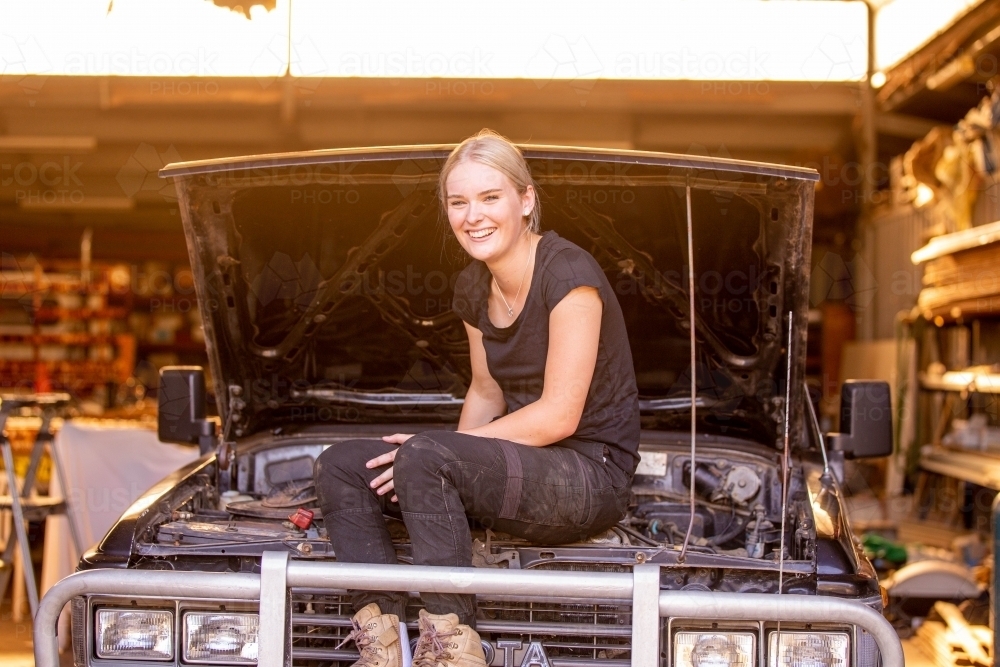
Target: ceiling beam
[(150, 94), (912, 74), (901, 125)]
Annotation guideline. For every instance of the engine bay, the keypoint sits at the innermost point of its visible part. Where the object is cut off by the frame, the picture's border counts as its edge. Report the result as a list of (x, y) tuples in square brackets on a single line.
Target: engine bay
[(736, 520)]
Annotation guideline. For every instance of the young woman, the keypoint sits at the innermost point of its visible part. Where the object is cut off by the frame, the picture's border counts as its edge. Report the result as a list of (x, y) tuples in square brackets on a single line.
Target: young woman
[(548, 438)]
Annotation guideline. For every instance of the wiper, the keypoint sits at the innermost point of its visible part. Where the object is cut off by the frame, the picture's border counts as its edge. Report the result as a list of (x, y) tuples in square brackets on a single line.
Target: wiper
[(672, 404), (413, 399), (388, 399), (438, 399)]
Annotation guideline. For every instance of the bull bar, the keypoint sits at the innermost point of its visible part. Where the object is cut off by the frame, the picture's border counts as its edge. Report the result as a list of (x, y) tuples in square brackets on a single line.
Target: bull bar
[(278, 574)]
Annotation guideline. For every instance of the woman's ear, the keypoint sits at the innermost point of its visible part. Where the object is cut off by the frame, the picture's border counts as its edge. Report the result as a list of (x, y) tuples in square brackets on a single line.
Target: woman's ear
[(528, 201)]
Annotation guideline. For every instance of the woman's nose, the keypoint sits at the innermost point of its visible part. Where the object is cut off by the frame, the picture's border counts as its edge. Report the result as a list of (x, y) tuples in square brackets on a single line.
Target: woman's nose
[(474, 213)]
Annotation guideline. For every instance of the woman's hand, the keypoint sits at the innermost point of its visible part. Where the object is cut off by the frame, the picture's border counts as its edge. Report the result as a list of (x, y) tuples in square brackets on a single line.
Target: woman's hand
[(384, 483)]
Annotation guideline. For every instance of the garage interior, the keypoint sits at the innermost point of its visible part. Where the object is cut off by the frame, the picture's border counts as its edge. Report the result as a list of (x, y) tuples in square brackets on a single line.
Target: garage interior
[(97, 294)]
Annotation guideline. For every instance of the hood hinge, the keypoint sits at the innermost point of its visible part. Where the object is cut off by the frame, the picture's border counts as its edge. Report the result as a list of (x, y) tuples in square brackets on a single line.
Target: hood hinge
[(226, 447)]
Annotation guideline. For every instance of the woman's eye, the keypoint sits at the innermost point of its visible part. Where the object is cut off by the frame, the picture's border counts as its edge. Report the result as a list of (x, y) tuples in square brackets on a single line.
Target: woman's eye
[(491, 197)]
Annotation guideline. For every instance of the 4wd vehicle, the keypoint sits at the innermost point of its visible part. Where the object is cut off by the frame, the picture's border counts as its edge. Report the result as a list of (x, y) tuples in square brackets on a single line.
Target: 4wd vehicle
[(324, 281)]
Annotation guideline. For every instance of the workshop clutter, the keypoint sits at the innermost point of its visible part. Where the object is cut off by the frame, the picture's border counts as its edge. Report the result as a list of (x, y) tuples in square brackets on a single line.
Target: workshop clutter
[(98, 331), (61, 328), (973, 433), (961, 274), (949, 638), (948, 168)]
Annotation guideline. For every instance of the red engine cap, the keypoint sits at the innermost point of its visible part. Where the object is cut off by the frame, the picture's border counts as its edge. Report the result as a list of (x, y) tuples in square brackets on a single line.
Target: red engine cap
[(302, 518)]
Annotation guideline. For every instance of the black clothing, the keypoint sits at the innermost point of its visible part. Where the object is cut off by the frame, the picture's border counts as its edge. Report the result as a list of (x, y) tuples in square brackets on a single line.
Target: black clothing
[(516, 354), (548, 495), (561, 493)]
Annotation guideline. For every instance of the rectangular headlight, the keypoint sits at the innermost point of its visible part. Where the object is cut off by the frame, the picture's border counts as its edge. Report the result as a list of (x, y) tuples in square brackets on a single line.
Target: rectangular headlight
[(812, 649), (714, 649), (221, 638), (135, 633)]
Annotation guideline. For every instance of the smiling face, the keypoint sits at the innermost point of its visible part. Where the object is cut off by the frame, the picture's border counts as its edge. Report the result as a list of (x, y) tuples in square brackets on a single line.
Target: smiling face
[(485, 210)]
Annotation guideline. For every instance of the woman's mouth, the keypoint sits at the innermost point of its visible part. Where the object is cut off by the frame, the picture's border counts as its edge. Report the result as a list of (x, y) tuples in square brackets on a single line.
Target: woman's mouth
[(479, 234)]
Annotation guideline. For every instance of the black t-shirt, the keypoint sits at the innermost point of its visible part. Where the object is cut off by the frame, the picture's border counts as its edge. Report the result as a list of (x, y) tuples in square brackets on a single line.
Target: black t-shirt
[(516, 354)]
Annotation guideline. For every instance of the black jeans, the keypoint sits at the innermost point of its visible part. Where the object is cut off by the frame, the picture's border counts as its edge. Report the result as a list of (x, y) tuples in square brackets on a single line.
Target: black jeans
[(548, 495)]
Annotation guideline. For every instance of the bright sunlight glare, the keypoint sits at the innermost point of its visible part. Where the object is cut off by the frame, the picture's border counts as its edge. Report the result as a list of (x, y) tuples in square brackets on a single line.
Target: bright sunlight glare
[(589, 39), (902, 26)]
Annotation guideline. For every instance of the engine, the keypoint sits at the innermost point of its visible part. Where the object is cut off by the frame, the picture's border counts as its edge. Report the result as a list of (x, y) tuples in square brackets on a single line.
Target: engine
[(737, 507), (737, 512)]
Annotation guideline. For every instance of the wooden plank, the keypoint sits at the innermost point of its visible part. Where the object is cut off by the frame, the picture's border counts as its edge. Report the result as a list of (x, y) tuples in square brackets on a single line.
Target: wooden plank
[(961, 632), (948, 646), (949, 244)]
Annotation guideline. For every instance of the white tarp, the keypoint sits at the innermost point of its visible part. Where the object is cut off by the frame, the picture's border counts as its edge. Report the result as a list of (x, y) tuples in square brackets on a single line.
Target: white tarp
[(107, 465)]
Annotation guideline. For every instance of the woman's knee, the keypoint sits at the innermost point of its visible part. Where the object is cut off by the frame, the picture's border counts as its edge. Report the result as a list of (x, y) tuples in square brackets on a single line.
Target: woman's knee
[(423, 453), (344, 459)]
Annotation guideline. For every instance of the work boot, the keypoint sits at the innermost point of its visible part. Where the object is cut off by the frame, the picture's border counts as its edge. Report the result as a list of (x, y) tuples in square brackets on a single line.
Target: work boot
[(377, 638), (445, 643)]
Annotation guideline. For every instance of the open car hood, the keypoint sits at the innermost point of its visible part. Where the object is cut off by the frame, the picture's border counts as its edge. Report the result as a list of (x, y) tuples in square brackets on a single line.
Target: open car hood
[(325, 278)]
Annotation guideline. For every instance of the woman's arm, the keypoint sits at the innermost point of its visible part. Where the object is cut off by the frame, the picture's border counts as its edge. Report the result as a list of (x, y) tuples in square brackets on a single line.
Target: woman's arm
[(574, 333), (484, 400)]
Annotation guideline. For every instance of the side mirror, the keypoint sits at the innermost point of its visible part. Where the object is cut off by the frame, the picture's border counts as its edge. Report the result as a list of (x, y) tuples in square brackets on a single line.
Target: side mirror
[(866, 413), (181, 415)]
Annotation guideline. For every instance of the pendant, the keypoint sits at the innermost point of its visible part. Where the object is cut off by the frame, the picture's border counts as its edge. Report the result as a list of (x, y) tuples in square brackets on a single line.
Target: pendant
[(510, 312)]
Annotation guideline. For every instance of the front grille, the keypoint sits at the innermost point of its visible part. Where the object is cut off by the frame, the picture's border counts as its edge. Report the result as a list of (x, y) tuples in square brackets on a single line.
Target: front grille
[(572, 635), (320, 622), (78, 610)]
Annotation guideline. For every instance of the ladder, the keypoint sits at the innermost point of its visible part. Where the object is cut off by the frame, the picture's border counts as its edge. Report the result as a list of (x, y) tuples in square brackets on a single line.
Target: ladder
[(22, 504)]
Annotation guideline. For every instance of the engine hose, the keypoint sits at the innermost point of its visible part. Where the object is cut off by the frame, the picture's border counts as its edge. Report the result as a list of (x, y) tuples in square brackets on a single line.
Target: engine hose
[(632, 533), (730, 533), (706, 547)]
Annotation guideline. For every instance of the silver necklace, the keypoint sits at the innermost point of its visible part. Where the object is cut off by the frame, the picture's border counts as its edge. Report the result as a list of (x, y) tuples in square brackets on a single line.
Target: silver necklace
[(510, 309)]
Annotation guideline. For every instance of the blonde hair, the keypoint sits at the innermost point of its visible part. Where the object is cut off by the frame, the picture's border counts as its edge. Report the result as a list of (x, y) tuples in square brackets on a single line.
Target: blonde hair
[(494, 150)]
